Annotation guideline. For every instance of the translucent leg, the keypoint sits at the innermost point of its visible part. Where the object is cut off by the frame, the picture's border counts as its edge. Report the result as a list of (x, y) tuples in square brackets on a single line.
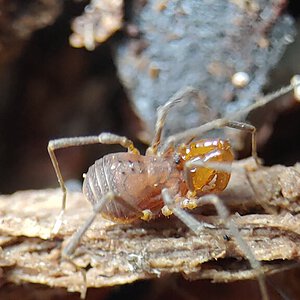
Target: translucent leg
[(69, 250), (182, 215), (215, 124), (75, 239), (103, 138), (249, 128), (162, 112), (223, 213), (223, 122), (255, 264)]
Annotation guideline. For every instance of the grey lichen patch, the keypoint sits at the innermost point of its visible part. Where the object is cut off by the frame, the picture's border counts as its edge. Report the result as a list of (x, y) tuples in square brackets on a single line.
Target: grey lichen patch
[(188, 47)]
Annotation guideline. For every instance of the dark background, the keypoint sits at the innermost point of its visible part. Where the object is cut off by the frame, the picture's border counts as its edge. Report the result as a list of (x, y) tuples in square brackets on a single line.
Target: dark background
[(50, 90)]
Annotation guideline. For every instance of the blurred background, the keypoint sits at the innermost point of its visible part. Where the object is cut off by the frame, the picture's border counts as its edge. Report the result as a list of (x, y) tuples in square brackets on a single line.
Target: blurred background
[(73, 68), (49, 89)]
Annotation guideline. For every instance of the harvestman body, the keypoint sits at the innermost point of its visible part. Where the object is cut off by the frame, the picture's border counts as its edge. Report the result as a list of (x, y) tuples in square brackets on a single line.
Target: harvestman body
[(124, 186), (135, 182)]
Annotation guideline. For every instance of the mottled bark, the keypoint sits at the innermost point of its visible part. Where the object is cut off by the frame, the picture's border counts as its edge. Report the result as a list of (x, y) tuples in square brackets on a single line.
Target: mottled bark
[(114, 254)]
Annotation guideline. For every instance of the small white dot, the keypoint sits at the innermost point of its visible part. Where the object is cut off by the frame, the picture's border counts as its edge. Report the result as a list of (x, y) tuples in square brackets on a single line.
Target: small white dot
[(295, 81), (240, 79)]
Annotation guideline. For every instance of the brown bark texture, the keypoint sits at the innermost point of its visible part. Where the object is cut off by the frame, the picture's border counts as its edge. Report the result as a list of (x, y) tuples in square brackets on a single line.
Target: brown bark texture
[(264, 204)]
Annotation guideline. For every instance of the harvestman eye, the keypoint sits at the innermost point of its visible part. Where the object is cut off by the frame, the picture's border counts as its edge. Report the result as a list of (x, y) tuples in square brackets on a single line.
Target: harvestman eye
[(176, 158)]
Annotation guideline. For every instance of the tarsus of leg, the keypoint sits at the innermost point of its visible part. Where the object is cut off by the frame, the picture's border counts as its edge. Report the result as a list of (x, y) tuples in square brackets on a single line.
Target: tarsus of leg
[(221, 122), (103, 138), (255, 264), (162, 112)]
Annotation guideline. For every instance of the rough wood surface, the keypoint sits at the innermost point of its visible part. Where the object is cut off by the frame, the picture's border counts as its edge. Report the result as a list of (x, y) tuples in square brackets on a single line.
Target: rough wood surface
[(114, 254)]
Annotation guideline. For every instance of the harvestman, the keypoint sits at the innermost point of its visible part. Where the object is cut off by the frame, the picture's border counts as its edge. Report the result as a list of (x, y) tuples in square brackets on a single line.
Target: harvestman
[(172, 178)]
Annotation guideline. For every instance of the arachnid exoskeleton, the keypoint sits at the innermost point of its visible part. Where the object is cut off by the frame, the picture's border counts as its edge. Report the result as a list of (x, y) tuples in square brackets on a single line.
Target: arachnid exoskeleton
[(136, 181), (171, 176)]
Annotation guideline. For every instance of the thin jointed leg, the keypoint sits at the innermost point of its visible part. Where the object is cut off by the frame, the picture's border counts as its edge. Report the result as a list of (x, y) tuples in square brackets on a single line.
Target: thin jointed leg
[(162, 112), (216, 165), (223, 213), (103, 138), (218, 123), (202, 161), (69, 250), (215, 124), (249, 128), (73, 243), (182, 215)]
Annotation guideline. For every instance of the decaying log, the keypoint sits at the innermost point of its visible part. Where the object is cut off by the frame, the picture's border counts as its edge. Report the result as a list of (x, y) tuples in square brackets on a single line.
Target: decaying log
[(266, 198)]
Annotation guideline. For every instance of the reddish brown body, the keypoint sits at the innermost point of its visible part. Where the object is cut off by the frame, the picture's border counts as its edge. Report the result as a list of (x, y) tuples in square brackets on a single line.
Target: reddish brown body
[(137, 180), (127, 186)]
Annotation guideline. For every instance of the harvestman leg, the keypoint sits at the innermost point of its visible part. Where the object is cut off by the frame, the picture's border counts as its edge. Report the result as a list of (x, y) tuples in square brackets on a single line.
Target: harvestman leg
[(221, 209), (219, 123), (215, 124), (75, 239), (223, 213), (249, 128), (162, 112), (186, 218), (103, 138), (182, 96)]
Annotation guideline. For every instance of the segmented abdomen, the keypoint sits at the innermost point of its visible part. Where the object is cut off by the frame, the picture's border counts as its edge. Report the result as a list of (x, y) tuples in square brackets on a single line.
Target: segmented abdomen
[(135, 180)]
